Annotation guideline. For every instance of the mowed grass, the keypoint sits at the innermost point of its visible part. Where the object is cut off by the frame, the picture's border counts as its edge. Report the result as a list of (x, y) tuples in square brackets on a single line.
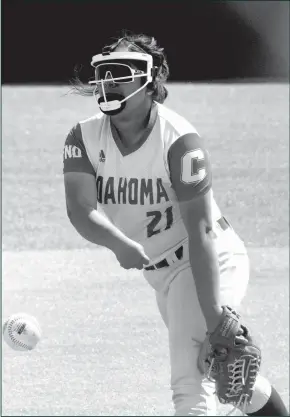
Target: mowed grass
[(104, 348)]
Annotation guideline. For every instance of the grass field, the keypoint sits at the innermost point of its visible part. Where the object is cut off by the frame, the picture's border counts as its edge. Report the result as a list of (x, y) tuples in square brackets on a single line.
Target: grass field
[(104, 347)]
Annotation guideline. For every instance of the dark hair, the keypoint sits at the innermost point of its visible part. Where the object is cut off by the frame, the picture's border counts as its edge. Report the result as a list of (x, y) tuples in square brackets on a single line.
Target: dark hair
[(136, 43)]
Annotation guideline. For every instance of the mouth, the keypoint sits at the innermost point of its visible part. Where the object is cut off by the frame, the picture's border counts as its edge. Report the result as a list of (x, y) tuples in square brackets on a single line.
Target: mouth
[(112, 105), (111, 97)]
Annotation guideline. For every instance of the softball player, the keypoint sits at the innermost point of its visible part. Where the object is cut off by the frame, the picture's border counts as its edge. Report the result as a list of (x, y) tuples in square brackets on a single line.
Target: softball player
[(149, 171)]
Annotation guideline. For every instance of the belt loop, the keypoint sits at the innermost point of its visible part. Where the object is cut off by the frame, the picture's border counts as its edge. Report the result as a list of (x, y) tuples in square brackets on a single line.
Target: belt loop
[(169, 260), (172, 258)]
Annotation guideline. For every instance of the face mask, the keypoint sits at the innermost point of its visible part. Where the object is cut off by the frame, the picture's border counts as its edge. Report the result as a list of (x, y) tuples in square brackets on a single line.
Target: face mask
[(108, 68), (113, 103)]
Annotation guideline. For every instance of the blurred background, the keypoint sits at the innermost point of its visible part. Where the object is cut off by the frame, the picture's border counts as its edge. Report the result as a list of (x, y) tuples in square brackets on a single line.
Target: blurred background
[(42, 41)]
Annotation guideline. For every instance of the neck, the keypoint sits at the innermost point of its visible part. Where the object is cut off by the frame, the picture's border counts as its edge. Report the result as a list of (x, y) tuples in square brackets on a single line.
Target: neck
[(127, 124)]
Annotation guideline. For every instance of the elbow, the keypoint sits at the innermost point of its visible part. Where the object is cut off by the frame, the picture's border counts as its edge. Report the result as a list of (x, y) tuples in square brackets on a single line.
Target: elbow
[(202, 238), (78, 218), (209, 233), (72, 217), (69, 213), (80, 223), (74, 222), (200, 230)]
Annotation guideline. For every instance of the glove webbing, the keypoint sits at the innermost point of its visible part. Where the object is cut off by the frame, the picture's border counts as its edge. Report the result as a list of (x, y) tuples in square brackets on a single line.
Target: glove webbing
[(237, 376)]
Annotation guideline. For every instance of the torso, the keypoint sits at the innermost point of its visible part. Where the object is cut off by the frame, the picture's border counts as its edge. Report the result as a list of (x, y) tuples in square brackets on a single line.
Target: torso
[(134, 188)]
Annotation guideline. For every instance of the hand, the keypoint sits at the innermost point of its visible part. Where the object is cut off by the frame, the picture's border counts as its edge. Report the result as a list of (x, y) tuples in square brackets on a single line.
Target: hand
[(131, 255), (213, 320)]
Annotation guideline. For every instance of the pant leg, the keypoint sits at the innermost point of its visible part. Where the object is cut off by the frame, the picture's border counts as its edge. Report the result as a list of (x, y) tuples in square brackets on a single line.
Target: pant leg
[(192, 394), (180, 310), (261, 395)]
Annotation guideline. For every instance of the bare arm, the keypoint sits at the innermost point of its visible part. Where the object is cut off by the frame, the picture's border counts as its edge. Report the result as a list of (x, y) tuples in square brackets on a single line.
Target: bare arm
[(196, 216), (81, 202), (191, 180)]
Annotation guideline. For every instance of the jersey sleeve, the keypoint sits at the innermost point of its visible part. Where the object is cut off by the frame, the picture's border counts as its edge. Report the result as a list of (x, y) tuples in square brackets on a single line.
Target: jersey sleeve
[(75, 158), (189, 167)]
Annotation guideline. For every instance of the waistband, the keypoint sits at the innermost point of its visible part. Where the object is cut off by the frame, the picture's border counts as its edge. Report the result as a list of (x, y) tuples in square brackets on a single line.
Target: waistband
[(178, 254)]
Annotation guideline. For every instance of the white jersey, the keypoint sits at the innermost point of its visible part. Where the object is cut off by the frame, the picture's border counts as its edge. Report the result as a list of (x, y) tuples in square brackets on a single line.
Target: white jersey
[(134, 189)]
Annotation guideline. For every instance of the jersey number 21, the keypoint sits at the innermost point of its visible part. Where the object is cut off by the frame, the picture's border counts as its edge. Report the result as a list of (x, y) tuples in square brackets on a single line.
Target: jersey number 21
[(152, 227)]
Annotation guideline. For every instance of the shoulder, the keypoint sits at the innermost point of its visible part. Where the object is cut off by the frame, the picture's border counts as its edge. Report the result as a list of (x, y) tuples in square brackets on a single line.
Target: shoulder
[(174, 121), (92, 130), (187, 143), (189, 166), (74, 139), (81, 128), (75, 157), (93, 120)]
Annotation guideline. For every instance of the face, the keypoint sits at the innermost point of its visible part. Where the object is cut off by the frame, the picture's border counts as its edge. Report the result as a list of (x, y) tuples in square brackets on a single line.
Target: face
[(122, 90)]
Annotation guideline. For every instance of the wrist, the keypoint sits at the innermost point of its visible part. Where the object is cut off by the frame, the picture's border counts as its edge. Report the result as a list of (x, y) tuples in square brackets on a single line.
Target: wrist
[(213, 317), (118, 241)]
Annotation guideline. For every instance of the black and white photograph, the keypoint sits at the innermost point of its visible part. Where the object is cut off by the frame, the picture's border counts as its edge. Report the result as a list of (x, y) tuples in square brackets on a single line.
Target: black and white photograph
[(145, 208)]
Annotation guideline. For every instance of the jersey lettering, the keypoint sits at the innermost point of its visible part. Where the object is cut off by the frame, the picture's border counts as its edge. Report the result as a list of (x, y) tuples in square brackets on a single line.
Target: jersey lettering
[(146, 190), (109, 191), (157, 216), (189, 165), (75, 158), (192, 167), (161, 191), (72, 152), (122, 190), (131, 191)]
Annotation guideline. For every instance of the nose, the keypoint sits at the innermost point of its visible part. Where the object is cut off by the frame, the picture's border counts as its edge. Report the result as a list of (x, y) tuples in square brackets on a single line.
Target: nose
[(108, 87), (109, 84), (109, 81)]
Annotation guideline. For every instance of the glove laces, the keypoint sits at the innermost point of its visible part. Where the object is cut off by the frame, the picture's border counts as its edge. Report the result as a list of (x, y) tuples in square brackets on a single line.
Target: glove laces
[(241, 373)]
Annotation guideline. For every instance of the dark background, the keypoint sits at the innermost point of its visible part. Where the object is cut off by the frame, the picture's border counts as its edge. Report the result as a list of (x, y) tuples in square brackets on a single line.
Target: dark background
[(42, 41)]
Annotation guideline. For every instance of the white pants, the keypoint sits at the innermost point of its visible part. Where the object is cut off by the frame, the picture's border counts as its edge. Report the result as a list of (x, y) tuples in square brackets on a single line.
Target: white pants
[(180, 310)]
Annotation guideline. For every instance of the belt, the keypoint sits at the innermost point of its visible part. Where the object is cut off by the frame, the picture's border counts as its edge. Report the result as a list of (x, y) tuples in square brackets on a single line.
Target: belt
[(164, 262), (179, 252)]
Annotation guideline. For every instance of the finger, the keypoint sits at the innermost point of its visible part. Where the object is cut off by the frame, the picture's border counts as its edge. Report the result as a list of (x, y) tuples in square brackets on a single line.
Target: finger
[(241, 340), (137, 265)]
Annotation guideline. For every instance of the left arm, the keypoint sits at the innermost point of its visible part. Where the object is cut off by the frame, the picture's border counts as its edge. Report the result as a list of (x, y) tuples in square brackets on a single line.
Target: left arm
[(191, 180)]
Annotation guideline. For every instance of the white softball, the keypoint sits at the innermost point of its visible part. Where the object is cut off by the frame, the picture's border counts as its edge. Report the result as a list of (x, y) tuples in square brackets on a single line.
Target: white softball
[(21, 332)]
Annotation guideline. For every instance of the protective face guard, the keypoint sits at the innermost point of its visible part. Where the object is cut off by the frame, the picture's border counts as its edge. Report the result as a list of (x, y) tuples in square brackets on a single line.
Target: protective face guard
[(117, 73), (101, 60), (109, 64)]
